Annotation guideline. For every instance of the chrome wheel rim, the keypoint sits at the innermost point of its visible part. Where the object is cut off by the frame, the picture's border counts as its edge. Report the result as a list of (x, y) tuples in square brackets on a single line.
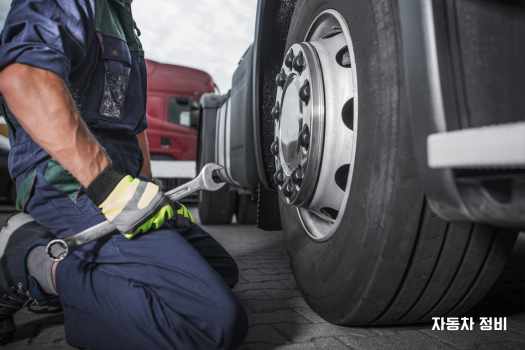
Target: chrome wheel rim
[(316, 125)]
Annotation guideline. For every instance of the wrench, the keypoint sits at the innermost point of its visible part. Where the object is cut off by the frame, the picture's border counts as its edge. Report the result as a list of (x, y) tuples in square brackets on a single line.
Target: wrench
[(209, 179)]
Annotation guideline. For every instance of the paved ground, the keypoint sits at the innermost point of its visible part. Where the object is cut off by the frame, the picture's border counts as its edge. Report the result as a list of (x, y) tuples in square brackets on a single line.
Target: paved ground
[(280, 318)]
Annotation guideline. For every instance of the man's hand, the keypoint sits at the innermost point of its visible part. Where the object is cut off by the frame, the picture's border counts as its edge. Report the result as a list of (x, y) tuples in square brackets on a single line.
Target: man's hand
[(134, 206), (146, 158)]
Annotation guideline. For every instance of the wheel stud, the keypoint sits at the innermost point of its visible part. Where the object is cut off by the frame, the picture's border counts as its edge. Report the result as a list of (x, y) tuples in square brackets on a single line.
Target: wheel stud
[(274, 148), (280, 79), (305, 92), (279, 177), (288, 190), (288, 62), (304, 137), (298, 176), (298, 63), (276, 111)]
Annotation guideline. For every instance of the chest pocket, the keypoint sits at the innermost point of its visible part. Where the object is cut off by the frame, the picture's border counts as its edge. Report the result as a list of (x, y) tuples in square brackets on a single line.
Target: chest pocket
[(117, 61)]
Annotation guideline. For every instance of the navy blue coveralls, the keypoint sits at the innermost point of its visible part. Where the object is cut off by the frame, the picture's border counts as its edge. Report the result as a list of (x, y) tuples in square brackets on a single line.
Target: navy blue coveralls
[(163, 290)]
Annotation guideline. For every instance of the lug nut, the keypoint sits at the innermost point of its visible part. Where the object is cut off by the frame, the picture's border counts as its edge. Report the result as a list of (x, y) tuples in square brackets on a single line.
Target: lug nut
[(298, 176), (298, 62), (276, 111), (274, 148), (279, 177), (288, 190), (305, 92), (288, 62), (280, 79), (304, 137)]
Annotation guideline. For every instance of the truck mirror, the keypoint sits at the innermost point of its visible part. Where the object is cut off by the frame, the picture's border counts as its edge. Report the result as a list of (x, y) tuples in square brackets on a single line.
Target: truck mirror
[(195, 117)]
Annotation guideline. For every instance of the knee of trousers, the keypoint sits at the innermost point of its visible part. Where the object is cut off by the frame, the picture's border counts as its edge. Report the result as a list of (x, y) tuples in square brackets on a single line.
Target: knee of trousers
[(230, 319), (223, 319), (223, 324), (232, 276)]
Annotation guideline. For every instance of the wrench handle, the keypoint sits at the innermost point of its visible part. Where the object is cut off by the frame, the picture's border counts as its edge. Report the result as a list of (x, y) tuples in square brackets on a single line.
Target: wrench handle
[(183, 191), (58, 249), (91, 234)]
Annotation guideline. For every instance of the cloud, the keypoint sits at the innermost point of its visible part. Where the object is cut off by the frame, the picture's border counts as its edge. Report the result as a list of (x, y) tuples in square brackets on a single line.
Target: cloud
[(205, 34), (4, 8), (210, 35)]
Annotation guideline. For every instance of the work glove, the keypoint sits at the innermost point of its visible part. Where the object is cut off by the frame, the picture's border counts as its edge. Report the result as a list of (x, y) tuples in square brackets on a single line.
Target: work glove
[(134, 206), (183, 217)]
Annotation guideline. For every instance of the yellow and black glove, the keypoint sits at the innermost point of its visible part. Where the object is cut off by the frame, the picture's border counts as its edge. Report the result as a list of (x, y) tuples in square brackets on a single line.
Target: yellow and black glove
[(134, 206), (183, 217)]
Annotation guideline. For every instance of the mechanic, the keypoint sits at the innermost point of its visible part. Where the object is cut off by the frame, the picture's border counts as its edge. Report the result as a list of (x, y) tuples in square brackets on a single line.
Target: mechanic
[(73, 77)]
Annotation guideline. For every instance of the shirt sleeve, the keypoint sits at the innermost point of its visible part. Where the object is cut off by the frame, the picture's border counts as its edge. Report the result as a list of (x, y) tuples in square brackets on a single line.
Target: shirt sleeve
[(143, 125), (51, 35)]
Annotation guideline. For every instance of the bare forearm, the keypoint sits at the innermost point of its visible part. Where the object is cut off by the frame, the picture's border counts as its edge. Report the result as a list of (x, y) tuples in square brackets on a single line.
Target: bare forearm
[(43, 106), (144, 147)]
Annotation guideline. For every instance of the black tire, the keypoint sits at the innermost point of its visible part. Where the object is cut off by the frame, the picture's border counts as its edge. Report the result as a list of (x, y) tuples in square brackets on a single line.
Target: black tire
[(246, 210), (507, 297), (268, 214), (217, 208), (391, 261), (12, 193)]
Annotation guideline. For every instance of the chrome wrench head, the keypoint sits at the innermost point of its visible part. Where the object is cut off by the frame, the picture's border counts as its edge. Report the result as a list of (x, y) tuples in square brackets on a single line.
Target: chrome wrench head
[(57, 249), (211, 177)]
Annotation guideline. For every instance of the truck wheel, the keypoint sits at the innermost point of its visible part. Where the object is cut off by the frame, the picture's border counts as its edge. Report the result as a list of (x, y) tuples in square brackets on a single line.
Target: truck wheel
[(12, 193), (215, 208), (246, 210), (365, 246), (268, 213)]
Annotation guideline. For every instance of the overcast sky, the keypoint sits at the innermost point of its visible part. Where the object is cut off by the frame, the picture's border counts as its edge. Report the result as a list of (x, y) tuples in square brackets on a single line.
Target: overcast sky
[(4, 6), (207, 34)]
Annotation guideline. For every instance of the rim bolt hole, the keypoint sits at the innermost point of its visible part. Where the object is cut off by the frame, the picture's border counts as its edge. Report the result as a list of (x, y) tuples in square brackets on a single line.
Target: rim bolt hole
[(330, 212), (274, 149), (343, 58), (298, 176), (299, 63), (288, 190), (305, 92), (280, 79), (348, 114), (279, 177), (276, 111), (341, 176), (333, 32), (288, 62), (304, 137)]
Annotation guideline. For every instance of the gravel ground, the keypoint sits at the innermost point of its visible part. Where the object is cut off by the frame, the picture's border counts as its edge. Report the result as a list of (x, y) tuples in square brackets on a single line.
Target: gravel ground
[(281, 319)]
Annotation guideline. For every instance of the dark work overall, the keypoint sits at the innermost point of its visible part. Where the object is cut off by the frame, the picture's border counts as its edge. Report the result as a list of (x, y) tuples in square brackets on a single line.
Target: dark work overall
[(168, 289)]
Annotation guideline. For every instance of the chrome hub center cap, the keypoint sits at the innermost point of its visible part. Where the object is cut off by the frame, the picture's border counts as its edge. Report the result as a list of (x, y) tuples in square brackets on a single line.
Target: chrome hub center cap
[(292, 155), (315, 117), (297, 150)]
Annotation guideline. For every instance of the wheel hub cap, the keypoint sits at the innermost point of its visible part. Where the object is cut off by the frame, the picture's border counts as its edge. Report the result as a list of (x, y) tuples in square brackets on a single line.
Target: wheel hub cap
[(316, 124), (299, 150)]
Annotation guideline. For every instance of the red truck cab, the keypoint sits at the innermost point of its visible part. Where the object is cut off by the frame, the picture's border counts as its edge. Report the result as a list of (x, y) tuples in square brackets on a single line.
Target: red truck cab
[(173, 116)]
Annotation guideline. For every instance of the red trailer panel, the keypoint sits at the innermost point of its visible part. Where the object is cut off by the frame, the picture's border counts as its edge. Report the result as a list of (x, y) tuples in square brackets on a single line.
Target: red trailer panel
[(173, 115)]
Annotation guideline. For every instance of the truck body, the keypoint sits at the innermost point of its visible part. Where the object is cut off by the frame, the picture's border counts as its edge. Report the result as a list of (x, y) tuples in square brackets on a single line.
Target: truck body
[(386, 137), (6, 185), (172, 111)]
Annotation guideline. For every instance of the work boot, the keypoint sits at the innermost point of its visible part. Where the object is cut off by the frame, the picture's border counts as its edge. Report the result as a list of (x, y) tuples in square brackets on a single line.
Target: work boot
[(17, 288)]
